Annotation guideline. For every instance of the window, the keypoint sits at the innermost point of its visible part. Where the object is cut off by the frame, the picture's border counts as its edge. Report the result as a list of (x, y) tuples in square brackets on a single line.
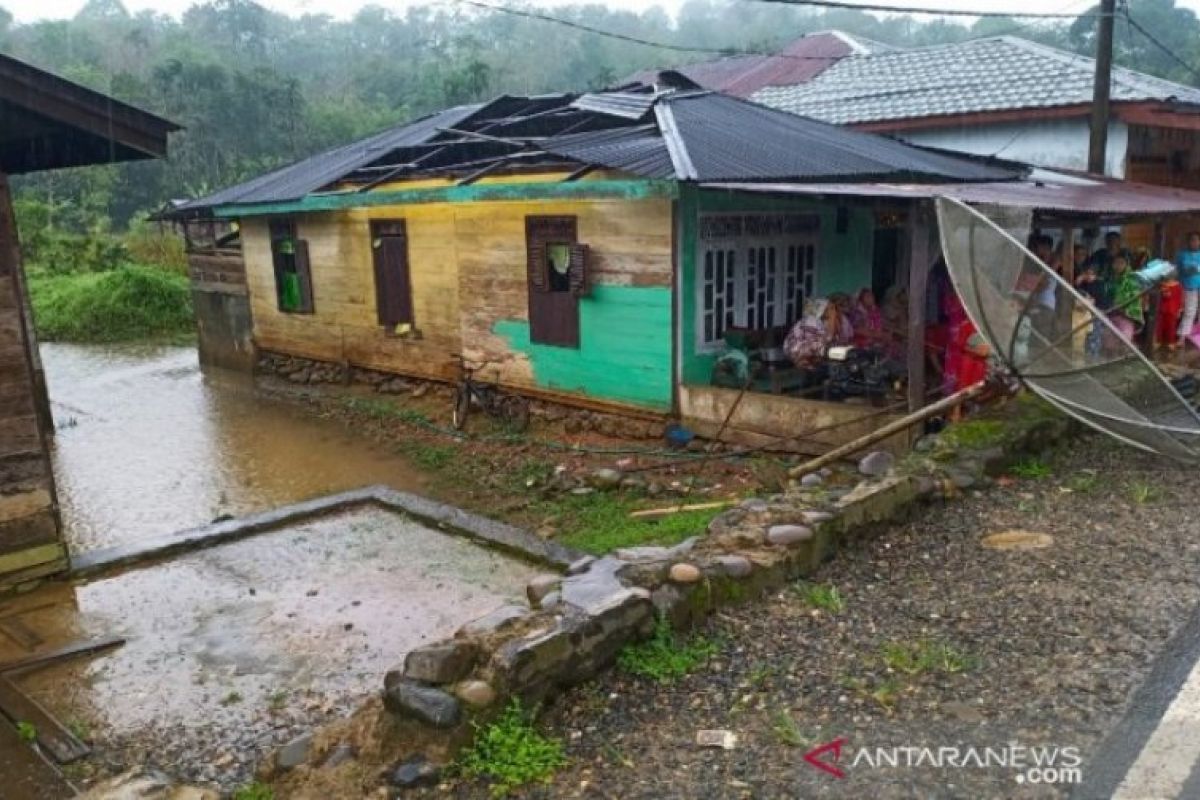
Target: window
[(755, 271), (557, 273), (293, 276), (393, 287)]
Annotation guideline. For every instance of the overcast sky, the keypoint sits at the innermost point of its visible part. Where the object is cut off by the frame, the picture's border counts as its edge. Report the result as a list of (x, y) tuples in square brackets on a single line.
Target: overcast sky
[(27, 10)]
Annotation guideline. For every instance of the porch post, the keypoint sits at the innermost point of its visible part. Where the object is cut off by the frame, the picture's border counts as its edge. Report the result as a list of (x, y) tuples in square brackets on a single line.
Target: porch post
[(918, 281), (1066, 303)]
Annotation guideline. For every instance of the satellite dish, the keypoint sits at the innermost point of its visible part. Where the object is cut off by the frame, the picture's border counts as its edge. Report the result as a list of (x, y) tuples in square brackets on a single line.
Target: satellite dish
[(1116, 390)]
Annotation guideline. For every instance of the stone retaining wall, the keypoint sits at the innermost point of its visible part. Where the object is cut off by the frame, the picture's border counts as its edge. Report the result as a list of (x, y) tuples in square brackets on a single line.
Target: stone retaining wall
[(577, 622)]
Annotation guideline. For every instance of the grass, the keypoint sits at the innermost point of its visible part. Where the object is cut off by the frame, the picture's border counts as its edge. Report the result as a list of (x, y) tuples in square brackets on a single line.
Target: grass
[(429, 456), (666, 657), (231, 699), (378, 408), (254, 791), (823, 596), (917, 658), (510, 752), (1031, 468), (1142, 493), (1084, 481), (128, 303), (27, 732), (787, 731), (598, 523), (974, 434)]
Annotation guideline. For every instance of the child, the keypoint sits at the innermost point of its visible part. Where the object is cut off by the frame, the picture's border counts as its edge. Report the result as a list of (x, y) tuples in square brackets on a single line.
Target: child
[(1170, 304), (1188, 262), (1127, 315)]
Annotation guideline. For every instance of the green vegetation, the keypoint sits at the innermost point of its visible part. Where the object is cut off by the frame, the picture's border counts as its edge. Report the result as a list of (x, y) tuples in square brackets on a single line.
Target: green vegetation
[(823, 596), (787, 731), (917, 658), (128, 302), (665, 657), (599, 522), (510, 752), (1031, 468), (231, 699), (1142, 492), (429, 456), (974, 434), (1085, 481), (254, 791), (27, 731)]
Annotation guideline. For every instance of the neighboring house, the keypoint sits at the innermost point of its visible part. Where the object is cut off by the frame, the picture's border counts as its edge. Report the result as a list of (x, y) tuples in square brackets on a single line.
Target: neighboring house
[(742, 76), (45, 123), (581, 245), (1009, 98)]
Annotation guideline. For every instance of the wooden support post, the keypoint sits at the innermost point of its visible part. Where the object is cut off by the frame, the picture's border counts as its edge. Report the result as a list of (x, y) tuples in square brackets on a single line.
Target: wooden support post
[(918, 281), (1065, 307)]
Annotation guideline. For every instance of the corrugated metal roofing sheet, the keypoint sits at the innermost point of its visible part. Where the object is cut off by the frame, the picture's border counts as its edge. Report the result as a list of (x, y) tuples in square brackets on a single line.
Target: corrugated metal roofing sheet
[(639, 150), (995, 74), (728, 139), (627, 105), (311, 174), (1069, 196)]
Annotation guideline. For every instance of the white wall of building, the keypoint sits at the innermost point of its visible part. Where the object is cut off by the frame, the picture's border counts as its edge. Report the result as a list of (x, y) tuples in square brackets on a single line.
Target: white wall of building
[(1061, 143)]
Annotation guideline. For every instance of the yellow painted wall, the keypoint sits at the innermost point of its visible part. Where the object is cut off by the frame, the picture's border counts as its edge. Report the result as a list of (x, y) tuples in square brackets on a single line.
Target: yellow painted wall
[(467, 262)]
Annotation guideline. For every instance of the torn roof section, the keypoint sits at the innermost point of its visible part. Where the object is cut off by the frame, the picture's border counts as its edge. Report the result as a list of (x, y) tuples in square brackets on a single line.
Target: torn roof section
[(672, 135), (48, 122)]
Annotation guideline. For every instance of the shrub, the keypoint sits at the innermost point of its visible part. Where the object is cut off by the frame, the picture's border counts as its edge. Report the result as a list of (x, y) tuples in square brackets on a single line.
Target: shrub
[(132, 302), (664, 657), (510, 752)]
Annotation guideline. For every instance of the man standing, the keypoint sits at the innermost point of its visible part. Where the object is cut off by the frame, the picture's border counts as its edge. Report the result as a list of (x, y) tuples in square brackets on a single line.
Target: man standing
[(1188, 264)]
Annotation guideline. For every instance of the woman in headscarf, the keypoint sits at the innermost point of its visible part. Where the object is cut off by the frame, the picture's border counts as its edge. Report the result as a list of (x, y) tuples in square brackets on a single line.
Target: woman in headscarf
[(867, 320), (821, 327)]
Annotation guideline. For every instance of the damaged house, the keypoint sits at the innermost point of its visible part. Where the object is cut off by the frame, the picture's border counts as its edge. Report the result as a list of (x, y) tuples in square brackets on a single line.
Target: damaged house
[(598, 250)]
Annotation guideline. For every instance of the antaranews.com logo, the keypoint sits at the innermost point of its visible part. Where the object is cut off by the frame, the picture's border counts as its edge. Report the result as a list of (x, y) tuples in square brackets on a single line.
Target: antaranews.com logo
[(1032, 764)]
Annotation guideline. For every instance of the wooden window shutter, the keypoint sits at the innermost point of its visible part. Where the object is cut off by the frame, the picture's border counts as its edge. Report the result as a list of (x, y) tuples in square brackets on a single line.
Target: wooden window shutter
[(304, 276), (535, 254), (579, 270)]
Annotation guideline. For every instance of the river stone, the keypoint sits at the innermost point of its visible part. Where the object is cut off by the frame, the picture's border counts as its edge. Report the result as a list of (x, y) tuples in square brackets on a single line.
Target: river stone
[(416, 771), (876, 464), (443, 662), (294, 753), (550, 601), (540, 586), (816, 517), (811, 480), (599, 587), (425, 703), (339, 755), (735, 566), (605, 478), (684, 573), (502, 617), (643, 554), (788, 534), (478, 694), (755, 505)]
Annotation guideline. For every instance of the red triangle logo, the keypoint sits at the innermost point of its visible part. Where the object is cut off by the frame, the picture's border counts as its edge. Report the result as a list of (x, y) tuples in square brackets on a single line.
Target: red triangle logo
[(814, 757)]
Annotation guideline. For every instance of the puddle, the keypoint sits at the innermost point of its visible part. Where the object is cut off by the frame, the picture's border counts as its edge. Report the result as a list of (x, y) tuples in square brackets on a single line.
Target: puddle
[(147, 444), (237, 649)]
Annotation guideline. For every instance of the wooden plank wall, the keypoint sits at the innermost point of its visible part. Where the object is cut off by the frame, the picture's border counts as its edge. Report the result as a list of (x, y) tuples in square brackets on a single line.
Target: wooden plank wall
[(30, 542), (468, 274)]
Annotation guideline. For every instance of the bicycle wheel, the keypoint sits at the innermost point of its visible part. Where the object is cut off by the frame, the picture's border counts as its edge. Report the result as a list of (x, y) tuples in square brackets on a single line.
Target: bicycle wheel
[(462, 405), (515, 411)]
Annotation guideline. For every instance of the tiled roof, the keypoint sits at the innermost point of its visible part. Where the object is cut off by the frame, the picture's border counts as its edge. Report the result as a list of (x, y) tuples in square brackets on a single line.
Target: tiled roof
[(741, 76), (1002, 73)]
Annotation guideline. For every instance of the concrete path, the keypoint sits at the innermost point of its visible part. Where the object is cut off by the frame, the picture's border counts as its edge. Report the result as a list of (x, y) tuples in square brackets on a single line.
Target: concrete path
[(1154, 752)]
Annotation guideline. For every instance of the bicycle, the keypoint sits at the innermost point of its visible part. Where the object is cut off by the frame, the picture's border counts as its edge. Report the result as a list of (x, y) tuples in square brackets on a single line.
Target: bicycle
[(511, 409)]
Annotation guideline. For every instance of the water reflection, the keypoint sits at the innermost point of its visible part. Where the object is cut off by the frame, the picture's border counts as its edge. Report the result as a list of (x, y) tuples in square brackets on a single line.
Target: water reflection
[(148, 444)]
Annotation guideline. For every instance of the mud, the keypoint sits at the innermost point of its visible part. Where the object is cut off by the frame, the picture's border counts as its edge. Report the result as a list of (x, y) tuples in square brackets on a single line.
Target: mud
[(147, 444), (234, 650)]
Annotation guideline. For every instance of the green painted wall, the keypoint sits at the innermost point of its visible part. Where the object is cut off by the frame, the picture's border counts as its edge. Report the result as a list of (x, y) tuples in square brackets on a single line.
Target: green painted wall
[(843, 260), (624, 350)]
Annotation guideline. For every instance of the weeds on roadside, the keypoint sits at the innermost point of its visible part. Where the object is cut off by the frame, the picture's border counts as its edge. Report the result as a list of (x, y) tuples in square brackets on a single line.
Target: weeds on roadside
[(974, 434), (787, 731), (599, 522), (823, 596), (510, 752), (916, 658), (231, 698), (1084, 481), (664, 657), (429, 456), (27, 731), (1032, 469), (254, 791), (1142, 493)]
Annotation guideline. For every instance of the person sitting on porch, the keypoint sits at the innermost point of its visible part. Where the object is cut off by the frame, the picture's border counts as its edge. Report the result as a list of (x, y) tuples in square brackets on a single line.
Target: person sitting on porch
[(822, 327), (1127, 315), (867, 320)]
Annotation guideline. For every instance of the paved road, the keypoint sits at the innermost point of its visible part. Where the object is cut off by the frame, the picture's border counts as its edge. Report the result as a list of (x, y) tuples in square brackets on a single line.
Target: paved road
[(1154, 753)]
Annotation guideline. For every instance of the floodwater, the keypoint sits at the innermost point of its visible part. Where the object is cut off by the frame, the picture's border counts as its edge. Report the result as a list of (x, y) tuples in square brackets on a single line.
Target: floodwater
[(238, 648), (148, 445)]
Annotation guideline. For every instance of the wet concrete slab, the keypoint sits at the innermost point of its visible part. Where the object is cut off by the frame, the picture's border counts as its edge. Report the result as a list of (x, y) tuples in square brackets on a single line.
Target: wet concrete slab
[(148, 444), (241, 647)]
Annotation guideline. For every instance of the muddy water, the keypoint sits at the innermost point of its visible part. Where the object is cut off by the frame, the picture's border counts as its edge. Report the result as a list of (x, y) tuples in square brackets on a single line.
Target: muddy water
[(236, 649), (147, 445)]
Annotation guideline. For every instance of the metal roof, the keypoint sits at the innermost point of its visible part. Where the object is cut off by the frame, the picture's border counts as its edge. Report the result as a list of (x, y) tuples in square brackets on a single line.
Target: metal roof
[(48, 122), (1063, 195), (685, 136), (1001, 73)]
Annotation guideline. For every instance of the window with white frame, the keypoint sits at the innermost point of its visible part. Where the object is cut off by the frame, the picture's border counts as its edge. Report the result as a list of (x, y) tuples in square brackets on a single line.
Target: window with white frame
[(755, 271)]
